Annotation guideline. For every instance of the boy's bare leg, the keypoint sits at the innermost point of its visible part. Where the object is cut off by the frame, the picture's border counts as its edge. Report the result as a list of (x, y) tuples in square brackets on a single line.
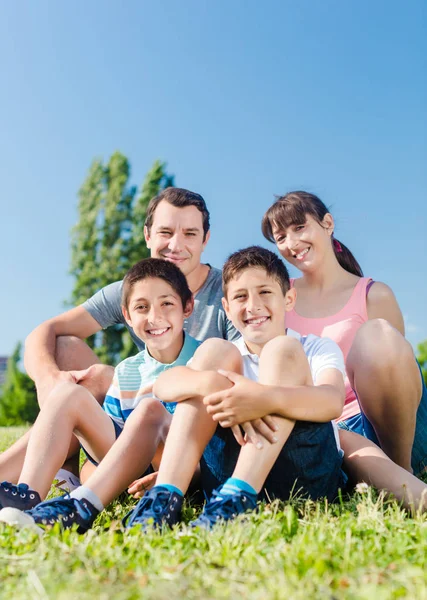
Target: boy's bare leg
[(74, 410), (192, 427), (133, 451), (282, 362), (365, 461), (71, 354)]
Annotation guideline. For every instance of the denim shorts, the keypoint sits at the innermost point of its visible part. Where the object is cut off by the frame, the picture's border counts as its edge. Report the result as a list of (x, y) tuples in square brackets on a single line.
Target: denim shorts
[(309, 464), (360, 424), (117, 430)]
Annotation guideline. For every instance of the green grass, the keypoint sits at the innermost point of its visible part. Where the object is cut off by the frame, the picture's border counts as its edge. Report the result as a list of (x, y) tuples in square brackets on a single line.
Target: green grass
[(362, 548)]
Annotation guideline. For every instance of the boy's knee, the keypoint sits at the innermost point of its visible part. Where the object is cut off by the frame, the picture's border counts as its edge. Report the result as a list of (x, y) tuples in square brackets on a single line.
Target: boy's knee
[(150, 411), (216, 353), (66, 396), (285, 347)]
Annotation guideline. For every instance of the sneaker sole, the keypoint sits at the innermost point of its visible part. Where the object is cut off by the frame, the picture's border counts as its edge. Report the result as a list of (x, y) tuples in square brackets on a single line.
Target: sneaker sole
[(17, 518)]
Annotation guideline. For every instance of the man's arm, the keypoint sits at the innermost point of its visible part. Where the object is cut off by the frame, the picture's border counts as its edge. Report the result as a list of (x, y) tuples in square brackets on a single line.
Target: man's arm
[(40, 345), (247, 400)]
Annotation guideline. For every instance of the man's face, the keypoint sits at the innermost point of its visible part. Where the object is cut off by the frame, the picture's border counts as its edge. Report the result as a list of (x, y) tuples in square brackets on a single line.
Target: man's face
[(177, 235), (256, 306)]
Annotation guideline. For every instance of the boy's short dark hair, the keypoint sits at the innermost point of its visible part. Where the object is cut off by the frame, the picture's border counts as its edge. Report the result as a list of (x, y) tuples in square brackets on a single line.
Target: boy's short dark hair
[(255, 257), (180, 198), (162, 269)]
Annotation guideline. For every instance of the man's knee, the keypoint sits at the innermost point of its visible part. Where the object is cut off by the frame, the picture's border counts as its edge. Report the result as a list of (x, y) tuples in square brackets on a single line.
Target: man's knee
[(73, 354)]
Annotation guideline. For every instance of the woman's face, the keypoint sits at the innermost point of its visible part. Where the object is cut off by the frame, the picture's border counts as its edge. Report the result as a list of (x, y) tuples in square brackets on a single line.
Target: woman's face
[(305, 246)]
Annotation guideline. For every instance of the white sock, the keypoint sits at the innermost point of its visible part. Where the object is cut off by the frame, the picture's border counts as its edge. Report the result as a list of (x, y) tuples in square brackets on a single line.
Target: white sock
[(86, 493), (66, 480)]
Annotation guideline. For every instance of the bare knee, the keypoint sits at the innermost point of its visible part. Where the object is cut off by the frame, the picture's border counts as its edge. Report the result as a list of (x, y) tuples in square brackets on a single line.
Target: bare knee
[(285, 347), (151, 413), (72, 353), (68, 397), (216, 353), (378, 346)]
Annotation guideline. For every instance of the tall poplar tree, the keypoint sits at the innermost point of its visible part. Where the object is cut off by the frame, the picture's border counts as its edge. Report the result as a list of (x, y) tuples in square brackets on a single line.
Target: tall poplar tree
[(109, 238)]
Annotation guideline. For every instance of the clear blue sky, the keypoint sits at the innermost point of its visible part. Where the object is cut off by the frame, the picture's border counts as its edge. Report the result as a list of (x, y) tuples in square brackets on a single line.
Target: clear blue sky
[(243, 99)]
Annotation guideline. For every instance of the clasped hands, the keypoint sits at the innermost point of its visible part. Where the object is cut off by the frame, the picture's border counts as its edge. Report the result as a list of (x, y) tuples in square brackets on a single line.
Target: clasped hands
[(240, 407)]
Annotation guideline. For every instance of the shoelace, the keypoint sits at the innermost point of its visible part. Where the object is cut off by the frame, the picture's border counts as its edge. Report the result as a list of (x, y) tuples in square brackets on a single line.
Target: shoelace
[(51, 511), (21, 489), (226, 506), (147, 507)]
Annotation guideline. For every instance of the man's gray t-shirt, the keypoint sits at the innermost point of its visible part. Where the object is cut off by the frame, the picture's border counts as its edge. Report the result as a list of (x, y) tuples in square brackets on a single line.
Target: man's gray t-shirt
[(207, 320)]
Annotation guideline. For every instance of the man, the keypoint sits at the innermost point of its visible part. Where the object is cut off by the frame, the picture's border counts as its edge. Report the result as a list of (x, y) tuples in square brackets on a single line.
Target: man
[(177, 229)]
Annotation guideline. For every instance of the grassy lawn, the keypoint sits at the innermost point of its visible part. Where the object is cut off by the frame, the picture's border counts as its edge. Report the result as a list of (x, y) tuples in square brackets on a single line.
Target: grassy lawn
[(361, 548)]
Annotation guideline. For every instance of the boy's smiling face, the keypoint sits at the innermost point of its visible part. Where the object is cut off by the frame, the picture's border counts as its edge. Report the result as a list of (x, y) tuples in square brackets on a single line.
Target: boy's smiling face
[(256, 306), (156, 315)]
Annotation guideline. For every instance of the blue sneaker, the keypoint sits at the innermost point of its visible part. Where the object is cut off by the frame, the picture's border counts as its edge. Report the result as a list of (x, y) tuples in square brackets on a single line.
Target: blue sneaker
[(64, 510), (224, 508), (157, 507), (19, 496)]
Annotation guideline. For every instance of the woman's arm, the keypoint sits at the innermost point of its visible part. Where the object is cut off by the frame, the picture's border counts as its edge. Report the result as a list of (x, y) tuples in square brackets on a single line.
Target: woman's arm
[(382, 304)]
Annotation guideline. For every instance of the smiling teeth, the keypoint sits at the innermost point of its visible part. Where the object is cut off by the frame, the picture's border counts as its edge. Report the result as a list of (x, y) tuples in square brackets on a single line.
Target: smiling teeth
[(303, 253), (256, 321), (157, 331)]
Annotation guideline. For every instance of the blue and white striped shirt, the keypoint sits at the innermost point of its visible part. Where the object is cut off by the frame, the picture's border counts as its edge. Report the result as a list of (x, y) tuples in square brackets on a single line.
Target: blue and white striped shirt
[(135, 373)]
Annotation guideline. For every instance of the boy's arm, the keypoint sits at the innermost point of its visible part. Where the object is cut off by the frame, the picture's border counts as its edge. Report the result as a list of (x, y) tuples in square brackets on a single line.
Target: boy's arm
[(180, 383), (248, 400)]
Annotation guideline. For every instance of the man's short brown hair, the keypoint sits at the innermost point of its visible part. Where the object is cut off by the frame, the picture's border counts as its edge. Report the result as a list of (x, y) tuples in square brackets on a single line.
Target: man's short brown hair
[(255, 257), (180, 198), (162, 269)]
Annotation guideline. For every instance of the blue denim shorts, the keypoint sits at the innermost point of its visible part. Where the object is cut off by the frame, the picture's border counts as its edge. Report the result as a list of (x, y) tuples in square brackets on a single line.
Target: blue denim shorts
[(360, 424), (309, 463)]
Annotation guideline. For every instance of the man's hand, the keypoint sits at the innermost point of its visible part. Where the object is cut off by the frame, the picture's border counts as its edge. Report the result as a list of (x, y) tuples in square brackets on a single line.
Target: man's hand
[(241, 403), (45, 387), (138, 487)]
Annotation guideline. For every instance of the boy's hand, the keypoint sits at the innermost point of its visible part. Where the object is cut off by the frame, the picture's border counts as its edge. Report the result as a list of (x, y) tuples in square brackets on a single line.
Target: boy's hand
[(241, 403), (256, 431), (138, 487)]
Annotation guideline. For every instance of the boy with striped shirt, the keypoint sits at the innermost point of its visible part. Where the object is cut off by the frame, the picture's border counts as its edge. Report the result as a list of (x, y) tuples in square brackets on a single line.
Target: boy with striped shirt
[(127, 431)]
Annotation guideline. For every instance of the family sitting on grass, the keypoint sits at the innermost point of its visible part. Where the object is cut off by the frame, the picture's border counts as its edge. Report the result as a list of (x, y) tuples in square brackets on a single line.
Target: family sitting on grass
[(248, 385)]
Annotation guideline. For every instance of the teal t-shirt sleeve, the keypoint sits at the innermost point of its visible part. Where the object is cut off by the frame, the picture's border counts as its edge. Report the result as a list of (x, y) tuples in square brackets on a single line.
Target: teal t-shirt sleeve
[(112, 405)]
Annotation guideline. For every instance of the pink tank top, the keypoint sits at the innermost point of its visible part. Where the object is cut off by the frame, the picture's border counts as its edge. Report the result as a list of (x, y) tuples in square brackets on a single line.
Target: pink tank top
[(342, 328)]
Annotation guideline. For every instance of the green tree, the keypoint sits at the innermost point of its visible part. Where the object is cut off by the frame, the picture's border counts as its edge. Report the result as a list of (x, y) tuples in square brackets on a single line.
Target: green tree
[(18, 401), (422, 358), (108, 238)]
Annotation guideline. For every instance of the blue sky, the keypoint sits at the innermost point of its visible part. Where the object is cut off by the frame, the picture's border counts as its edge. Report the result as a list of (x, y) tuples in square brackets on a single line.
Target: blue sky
[(243, 100)]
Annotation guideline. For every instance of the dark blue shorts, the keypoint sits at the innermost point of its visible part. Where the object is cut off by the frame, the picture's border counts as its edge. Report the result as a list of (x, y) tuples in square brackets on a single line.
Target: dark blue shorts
[(361, 425), (309, 463), (117, 430)]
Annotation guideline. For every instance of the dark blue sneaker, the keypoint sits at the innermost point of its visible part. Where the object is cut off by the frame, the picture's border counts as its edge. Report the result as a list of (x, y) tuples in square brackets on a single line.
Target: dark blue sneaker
[(19, 496), (224, 508), (158, 506), (64, 510)]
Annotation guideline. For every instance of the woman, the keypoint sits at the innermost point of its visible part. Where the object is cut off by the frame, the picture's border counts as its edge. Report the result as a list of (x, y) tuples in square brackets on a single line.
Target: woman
[(386, 399)]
